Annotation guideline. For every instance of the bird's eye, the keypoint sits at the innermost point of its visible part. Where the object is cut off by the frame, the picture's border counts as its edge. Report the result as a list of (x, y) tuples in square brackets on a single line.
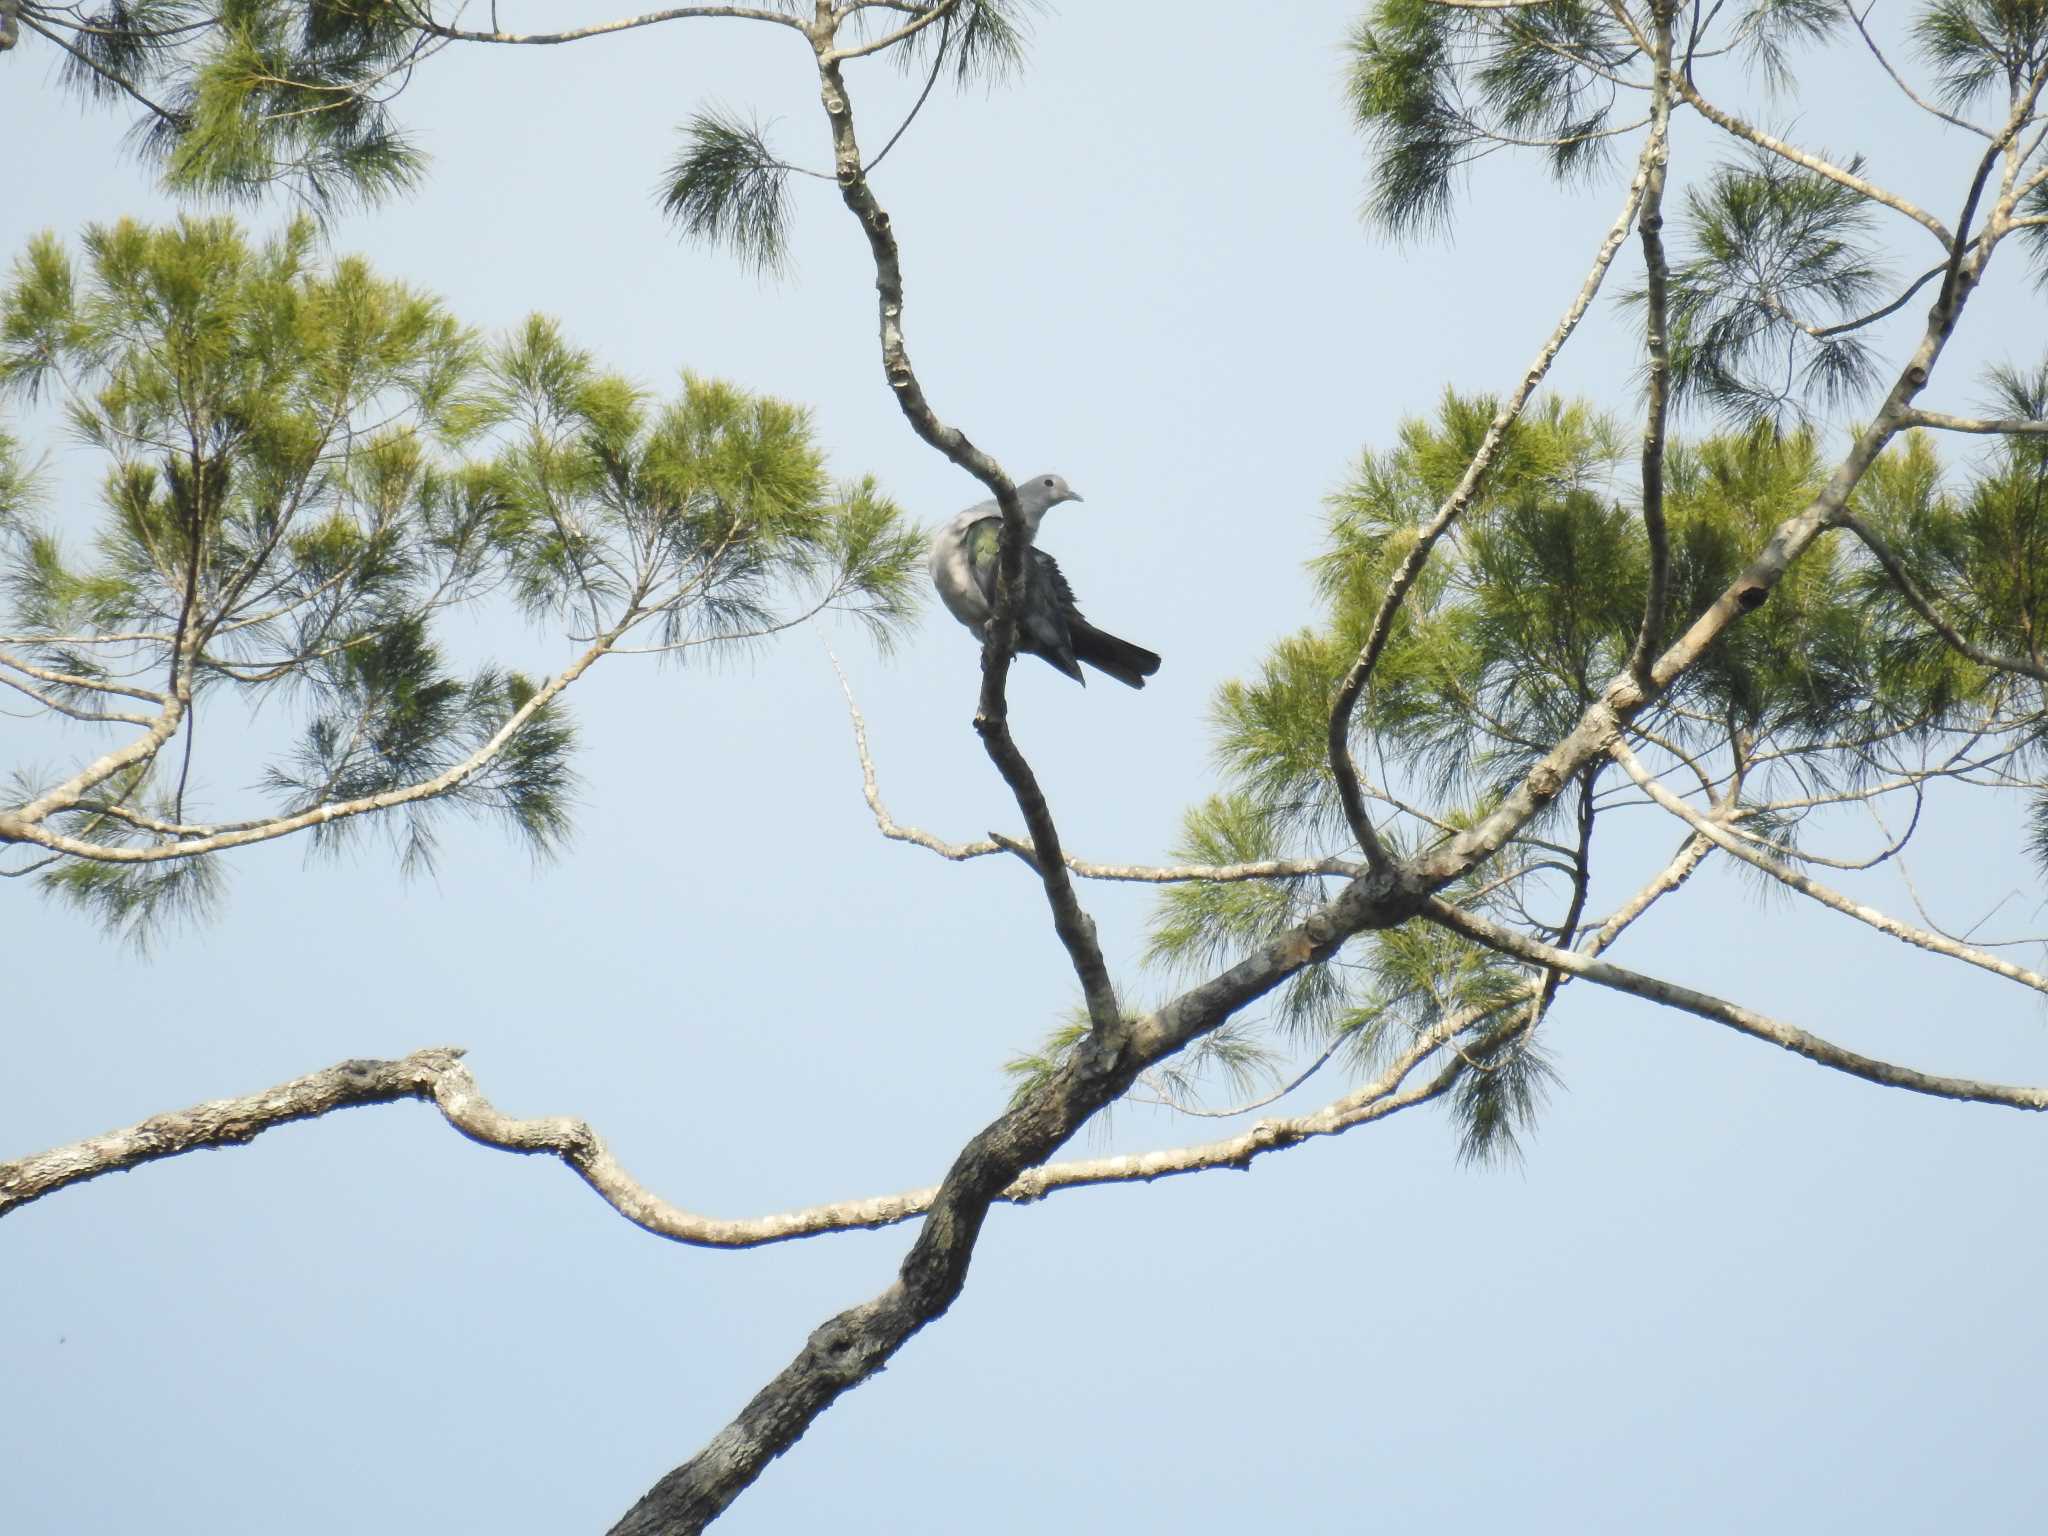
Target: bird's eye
[(1048, 482)]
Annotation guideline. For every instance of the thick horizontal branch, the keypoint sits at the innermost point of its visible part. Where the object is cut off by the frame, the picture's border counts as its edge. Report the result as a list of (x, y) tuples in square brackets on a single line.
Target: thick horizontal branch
[(439, 1075), (1983, 425), (225, 1122)]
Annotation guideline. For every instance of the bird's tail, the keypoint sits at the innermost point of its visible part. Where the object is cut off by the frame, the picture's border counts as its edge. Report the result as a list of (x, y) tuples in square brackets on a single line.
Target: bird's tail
[(1127, 663)]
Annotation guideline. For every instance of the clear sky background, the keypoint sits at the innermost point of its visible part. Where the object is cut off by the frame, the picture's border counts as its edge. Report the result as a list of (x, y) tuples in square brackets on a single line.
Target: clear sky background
[(1726, 1290)]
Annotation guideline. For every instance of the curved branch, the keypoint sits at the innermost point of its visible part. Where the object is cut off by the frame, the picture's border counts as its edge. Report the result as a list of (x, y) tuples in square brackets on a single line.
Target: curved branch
[(1341, 766), (1806, 886), (910, 29), (225, 1122), (1075, 928), (1825, 1053), (1900, 80), (1918, 602), (1729, 123), (889, 827), (25, 825)]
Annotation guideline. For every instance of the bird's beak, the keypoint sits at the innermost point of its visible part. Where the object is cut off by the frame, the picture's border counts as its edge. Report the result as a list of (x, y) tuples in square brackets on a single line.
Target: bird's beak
[(1075, 496)]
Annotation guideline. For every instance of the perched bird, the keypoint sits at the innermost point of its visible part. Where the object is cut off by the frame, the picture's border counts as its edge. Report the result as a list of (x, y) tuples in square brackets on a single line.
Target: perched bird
[(1048, 623)]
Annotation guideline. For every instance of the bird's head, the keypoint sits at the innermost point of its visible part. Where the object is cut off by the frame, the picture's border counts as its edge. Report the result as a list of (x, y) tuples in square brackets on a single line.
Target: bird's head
[(1041, 492)]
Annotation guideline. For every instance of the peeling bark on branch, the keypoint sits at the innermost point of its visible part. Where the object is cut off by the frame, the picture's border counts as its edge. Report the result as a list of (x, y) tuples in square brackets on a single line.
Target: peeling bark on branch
[(225, 1122)]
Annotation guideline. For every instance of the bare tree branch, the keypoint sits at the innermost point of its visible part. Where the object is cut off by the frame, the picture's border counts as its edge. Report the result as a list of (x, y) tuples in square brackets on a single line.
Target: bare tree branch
[(889, 827), (1982, 425), (1826, 1053), (224, 1122), (1834, 900), (1899, 80), (1730, 123), (1656, 331), (910, 29), (421, 19)]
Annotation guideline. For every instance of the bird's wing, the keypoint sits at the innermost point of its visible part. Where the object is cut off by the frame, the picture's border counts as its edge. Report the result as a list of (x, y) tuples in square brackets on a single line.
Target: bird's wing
[(1049, 573), (1045, 585), (954, 574), (983, 539)]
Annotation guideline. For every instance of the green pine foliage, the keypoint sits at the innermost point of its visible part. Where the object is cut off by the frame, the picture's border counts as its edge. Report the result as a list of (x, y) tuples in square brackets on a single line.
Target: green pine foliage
[(236, 99), (309, 470), (1976, 46), (726, 188), (1780, 258), (1528, 609)]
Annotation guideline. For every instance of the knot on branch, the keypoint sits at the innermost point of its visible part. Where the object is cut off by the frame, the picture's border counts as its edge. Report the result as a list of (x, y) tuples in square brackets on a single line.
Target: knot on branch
[(1749, 599)]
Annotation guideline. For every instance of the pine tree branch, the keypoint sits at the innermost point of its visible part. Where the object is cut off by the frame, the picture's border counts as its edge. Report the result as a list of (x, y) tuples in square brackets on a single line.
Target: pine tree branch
[(419, 17), (851, 1347), (1812, 889), (90, 684), (223, 1122), (1981, 425), (56, 705), (939, 12), (1657, 342), (1342, 768), (1899, 80), (438, 1074), (1729, 123), (889, 827), (1076, 930), (1800, 1042), (86, 61), (1605, 720), (24, 825), (1662, 884), (1918, 601)]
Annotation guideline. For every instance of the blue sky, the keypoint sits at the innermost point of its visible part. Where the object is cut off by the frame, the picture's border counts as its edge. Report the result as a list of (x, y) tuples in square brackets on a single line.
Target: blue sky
[(1725, 1289)]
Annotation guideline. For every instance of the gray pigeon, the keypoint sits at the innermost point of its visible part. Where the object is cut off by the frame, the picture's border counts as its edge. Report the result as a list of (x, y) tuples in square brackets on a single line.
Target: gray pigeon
[(1048, 623)]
